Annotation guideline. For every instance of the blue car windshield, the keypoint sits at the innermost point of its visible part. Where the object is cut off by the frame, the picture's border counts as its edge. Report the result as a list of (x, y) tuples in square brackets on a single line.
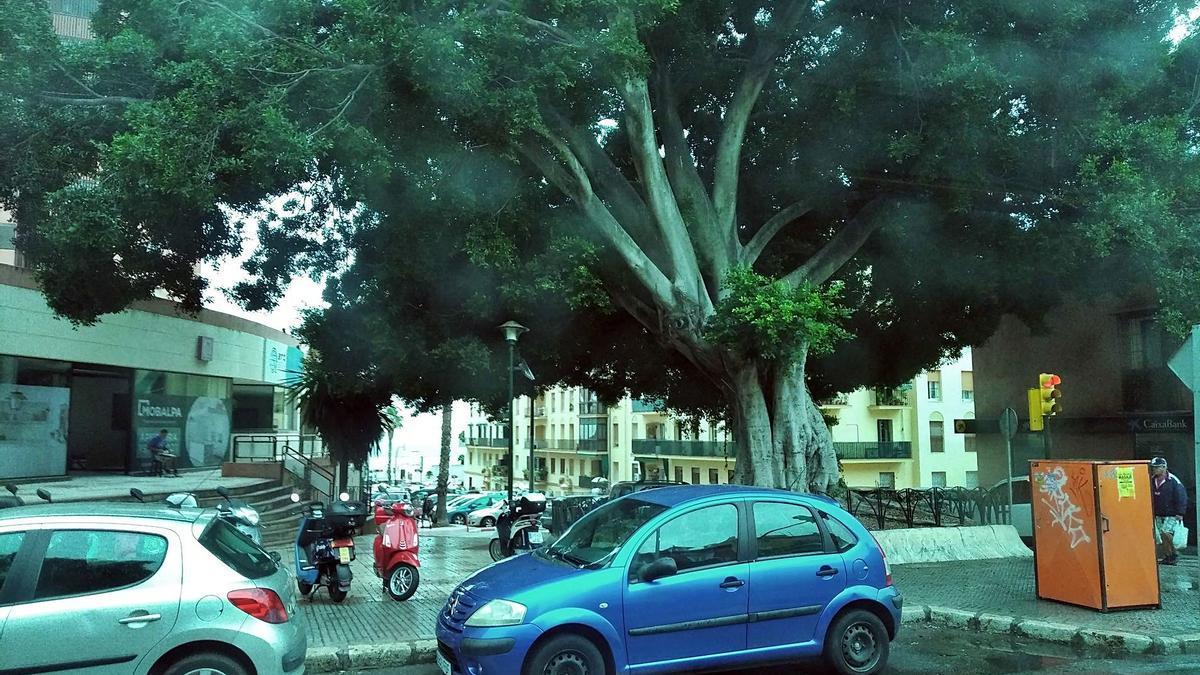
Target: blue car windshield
[(599, 534)]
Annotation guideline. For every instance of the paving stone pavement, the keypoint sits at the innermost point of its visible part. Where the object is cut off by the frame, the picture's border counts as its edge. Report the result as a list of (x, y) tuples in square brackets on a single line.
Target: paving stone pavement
[(369, 616), (1005, 588)]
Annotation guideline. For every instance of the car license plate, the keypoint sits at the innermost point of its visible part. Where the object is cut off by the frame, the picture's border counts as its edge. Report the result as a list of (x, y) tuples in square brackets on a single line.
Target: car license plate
[(442, 664), (344, 555), (535, 537)]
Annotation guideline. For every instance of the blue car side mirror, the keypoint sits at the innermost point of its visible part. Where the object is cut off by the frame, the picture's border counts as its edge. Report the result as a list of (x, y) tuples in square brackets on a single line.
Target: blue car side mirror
[(662, 567)]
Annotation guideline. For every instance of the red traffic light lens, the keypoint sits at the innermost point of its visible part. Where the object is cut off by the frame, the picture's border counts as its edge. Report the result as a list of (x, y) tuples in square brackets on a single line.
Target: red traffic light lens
[(1052, 381)]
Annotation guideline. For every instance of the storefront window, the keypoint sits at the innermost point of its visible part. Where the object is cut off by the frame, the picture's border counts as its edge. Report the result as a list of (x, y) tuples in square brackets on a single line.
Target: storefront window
[(194, 409), (35, 402)]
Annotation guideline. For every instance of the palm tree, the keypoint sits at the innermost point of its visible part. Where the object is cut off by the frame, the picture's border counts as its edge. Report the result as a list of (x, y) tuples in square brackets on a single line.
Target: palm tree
[(349, 417), (395, 421), (444, 461)]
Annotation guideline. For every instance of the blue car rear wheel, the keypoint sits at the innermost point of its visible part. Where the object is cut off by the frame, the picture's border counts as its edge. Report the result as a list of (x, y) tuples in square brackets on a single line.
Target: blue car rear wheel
[(566, 655), (857, 644)]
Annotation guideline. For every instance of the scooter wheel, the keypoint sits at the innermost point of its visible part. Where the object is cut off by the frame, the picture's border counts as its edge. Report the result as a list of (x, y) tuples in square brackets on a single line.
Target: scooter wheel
[(336, 594), (304, 588), (402, 581), (495, 550)]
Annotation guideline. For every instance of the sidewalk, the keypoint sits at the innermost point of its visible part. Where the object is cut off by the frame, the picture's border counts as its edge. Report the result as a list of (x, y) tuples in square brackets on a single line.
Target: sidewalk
[(91, 487), (999, 596), (370, 630)]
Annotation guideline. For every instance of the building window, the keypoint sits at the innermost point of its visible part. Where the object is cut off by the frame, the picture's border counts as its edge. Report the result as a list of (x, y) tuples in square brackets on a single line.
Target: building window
[(678, 474), (571, 469), (971, 480), (887, 479), (616, 471), (633, 431), (616, 439), (714, 477), (968, 386), (695, 475), (934, 385), (939, 479), (937, 436)]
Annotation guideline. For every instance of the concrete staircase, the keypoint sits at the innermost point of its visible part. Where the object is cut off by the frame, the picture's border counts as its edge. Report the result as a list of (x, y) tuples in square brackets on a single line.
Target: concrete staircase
[(279, 515)]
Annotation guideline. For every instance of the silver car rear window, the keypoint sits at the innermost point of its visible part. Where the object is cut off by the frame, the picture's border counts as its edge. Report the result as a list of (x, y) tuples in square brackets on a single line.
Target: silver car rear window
[(237, 550)]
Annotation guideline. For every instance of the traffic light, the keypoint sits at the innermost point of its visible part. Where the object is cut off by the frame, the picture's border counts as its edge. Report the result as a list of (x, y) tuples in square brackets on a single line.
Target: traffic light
[(1043, 401)]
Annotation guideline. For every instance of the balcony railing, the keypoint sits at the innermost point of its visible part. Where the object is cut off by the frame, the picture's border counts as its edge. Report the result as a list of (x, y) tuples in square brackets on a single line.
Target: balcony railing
[(488, 442), (592, 408), (655, 446), (655, 406), (890, 397), (592, 445), (874, 450), (839, 400)]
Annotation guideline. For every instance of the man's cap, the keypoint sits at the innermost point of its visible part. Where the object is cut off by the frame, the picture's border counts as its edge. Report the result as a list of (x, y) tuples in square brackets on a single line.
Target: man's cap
[(1158, 462)]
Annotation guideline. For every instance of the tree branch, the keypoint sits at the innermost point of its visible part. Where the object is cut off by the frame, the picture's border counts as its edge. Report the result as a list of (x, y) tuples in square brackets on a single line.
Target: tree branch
[(750, 85), (344, 105), (574, 183), (90, 100), (842, 247), (675, 236), (758, 243), (716, 247)]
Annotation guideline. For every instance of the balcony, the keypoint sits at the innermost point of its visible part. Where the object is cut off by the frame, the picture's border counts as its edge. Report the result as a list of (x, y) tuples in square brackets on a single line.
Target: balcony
[(646, 447), (539, 410), (646, 406), (839, 401), (488, 442), (592, 408), (874, 450), (592, 445), (891, 397)]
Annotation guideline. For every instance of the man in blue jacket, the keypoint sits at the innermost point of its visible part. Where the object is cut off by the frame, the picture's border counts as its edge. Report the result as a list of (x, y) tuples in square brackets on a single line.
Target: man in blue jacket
[(1170, 501)]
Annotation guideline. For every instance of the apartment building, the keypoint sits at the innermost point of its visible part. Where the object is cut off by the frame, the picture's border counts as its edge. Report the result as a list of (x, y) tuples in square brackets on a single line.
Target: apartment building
[(901, 437)]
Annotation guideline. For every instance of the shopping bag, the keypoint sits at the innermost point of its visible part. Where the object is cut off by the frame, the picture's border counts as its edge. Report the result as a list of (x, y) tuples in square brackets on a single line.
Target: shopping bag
[(1180, 537)]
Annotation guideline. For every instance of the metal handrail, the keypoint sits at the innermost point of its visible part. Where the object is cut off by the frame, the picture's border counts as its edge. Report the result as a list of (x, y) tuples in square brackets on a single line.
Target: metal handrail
[(311, 475)]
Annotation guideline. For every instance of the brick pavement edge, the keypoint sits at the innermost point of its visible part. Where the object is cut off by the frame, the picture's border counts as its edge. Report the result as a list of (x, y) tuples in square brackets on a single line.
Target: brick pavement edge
[(367, 656)]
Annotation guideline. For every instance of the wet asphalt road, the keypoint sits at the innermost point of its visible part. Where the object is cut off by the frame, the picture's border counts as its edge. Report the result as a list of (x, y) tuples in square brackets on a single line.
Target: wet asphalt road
[(923, 650)]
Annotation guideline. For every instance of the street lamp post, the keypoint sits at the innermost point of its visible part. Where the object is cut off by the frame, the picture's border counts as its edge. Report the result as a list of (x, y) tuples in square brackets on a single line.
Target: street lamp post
[(512, 330)]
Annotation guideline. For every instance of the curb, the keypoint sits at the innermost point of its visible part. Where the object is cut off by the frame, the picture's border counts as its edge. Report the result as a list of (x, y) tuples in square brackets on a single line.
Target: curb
[(1109, 642), (367, 656)]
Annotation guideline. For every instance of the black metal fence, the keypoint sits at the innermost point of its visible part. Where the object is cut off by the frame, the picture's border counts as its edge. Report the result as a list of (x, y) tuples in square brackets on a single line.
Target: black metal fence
[(878, 508), (888, 508)]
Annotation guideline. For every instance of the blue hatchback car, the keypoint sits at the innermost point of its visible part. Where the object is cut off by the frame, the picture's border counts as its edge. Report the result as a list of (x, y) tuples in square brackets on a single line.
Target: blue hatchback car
[(681, 579)]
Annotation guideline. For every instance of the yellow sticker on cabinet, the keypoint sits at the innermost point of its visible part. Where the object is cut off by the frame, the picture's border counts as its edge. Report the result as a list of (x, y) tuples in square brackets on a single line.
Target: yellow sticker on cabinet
[(1124, 482)]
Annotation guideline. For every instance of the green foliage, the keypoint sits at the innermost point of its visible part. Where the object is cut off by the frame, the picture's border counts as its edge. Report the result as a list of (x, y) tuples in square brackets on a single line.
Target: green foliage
[(762, 318)]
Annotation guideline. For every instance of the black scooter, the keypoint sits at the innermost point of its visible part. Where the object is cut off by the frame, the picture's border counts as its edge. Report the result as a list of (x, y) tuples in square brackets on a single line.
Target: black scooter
[(519, 529), (325, 545)]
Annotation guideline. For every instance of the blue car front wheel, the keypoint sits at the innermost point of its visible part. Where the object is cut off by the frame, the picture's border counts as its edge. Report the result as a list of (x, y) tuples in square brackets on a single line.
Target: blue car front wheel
[(565, 655)]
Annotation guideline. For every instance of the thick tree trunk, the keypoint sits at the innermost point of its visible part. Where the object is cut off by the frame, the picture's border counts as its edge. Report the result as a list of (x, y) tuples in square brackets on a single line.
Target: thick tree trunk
[(444, 468), (782, 440)]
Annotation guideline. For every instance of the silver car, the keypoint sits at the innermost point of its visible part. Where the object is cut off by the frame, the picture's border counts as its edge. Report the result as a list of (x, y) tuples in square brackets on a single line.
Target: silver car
[(132, 588)]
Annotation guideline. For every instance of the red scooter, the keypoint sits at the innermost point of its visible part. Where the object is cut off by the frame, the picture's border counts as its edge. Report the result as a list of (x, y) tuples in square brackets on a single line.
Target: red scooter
[(396, 549)]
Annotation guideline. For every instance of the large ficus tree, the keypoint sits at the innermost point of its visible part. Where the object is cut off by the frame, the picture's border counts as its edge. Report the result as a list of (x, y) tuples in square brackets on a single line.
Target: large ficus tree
[(745, 184)]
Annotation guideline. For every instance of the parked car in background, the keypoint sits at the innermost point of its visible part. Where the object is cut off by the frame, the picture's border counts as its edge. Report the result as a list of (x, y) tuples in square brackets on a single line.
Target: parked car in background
[(458, 514), (486, 517), (142, 588), (629, 487), (682, 579), (1022, 508)]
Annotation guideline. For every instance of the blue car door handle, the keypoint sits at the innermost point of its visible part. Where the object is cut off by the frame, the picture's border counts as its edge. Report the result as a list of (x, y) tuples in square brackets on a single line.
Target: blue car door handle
[(826, 571), (732, 582)]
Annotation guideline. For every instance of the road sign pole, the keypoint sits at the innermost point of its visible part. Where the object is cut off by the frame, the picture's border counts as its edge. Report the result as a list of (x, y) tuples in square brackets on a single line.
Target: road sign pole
[(1008, 427)]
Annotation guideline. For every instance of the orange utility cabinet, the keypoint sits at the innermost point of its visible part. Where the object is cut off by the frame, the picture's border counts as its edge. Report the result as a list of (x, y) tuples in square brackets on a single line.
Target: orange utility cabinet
[(1093, 529)]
